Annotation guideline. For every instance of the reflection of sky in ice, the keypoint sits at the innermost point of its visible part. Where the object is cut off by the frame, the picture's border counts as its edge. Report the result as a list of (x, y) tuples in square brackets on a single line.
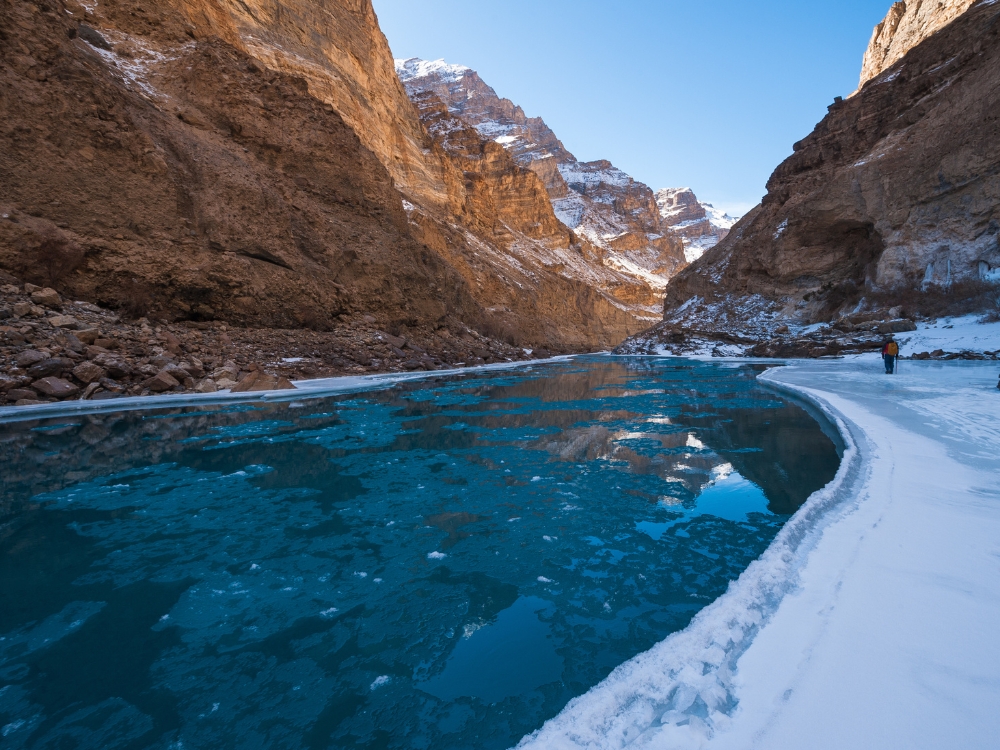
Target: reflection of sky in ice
[(441, 565)]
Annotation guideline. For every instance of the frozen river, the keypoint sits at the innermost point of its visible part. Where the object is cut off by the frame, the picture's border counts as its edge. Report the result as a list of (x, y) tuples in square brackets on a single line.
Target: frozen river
[(439, 564)]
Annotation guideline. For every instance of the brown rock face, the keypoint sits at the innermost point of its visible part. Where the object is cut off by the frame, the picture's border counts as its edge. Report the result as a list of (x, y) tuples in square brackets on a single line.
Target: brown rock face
[(198, 160), (55, 388), (906, 26), (897, 188), (538, 281), (180, 178), (340, 51)]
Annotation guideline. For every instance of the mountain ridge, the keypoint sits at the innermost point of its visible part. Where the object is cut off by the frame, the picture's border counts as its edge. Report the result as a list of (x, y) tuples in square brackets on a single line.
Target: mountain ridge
[(599, 202)]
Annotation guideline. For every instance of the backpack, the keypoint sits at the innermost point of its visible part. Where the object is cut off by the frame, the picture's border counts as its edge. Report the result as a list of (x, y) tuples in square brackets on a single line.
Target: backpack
[(892, 349)]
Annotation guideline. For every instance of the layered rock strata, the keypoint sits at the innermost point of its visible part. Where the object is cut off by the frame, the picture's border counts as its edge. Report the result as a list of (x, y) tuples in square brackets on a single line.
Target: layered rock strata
[(896, 190)]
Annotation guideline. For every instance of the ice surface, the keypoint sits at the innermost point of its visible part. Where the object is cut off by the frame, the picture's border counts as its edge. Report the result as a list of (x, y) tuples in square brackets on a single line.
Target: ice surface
[(268, 565), (870, 621)]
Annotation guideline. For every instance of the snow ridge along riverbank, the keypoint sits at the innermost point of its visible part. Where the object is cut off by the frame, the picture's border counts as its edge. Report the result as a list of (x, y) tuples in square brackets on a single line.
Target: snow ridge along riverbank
[(870, 621)]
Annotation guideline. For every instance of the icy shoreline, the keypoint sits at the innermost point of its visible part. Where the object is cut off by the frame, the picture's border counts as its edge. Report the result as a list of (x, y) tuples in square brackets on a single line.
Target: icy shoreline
[(304, 389), (870, 620)]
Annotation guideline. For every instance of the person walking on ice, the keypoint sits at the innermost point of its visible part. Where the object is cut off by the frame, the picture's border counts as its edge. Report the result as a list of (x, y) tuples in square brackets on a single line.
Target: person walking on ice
[(890, 350)]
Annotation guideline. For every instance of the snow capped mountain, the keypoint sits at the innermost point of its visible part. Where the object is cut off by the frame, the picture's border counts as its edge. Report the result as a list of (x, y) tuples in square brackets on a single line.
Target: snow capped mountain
[(599, 202), (417, 68), (700, 225)]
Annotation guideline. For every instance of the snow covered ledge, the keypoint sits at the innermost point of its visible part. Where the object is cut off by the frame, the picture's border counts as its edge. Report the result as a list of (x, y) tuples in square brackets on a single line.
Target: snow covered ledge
[(871, 621)]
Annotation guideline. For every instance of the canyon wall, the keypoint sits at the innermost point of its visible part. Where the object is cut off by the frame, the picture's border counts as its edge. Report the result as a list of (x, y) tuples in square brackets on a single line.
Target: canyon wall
[(259, 162), (145, 168), (897, 188), (906, 26)]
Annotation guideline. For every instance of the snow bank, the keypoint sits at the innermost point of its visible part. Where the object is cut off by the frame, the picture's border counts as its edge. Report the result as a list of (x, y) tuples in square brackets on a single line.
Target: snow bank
[(965, 333), (870, 621)]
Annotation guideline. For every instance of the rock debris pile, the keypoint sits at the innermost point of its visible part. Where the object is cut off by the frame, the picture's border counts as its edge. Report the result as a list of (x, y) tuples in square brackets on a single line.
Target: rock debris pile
[(53, 349)]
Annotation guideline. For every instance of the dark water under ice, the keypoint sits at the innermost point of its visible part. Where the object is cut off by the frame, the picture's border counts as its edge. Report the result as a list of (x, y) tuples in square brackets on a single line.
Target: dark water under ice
[(441, 565)]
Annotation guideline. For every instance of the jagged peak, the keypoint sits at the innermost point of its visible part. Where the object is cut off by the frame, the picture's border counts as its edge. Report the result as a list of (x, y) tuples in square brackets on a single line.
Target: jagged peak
[(414, 68)]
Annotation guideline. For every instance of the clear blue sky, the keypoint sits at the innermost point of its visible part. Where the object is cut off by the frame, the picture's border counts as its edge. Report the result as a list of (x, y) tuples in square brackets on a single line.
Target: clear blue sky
[(709, 95)]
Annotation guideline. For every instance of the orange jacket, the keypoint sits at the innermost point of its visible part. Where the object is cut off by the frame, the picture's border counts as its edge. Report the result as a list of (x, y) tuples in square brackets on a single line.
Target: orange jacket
[(891, 349)]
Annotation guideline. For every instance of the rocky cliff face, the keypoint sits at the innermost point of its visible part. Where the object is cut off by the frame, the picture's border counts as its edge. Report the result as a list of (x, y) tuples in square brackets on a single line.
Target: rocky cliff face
[(898, 188), (260, 162), (906, 26), (601, 204), (340, 51), (701, 226), (145, 166)]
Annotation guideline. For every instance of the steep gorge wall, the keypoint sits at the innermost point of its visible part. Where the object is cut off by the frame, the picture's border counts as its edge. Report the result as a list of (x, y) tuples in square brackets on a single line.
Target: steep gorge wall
[(898, 187), (339, 49), (907, 25), (250, 162), (151, 169)]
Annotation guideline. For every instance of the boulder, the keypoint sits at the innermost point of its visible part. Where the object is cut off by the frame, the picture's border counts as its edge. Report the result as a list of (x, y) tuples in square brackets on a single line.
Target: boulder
[(89, 391), (31, 288), (88, 335), (230, 370), (17, 394), (116, 367), (397, 341), (64, 321), (55, 387), (180, 375), (21, 309), (207, 386), (897, 326), (162, 381), (105, 395), (50, 366), (161, 361), (46, 298), (193, 368), (171, 343), (30, 357), (258, 381), (88, 372)]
